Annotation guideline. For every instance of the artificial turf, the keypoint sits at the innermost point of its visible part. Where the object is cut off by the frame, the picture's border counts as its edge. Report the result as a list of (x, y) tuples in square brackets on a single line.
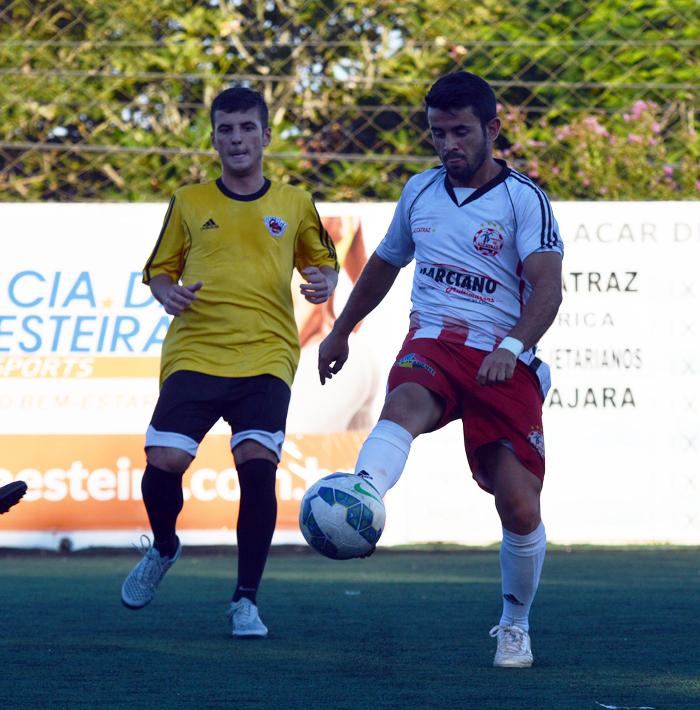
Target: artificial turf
[(408, 629)]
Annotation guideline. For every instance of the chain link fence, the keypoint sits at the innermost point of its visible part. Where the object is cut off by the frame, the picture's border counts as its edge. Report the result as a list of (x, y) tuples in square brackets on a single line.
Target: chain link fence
[(108, 100)]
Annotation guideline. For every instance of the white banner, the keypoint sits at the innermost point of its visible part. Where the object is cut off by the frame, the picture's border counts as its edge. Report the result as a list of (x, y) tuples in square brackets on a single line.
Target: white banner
[(80, 340), (80, 335)]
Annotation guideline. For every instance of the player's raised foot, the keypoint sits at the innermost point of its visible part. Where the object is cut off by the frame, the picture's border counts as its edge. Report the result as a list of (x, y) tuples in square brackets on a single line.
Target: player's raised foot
[(513, 647), (141, 585), (11, 494), (245, 621)]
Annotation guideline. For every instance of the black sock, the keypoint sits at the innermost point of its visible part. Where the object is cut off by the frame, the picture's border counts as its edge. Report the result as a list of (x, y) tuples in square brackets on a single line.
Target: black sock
[(162, 496), (256, 523)]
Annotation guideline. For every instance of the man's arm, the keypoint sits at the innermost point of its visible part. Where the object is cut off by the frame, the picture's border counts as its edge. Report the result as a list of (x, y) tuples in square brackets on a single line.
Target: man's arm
[(543, 271), (175, 298), (374, 283)]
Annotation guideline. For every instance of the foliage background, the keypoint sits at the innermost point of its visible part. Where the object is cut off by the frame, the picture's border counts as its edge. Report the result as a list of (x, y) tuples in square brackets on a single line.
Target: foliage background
[(107, 100)]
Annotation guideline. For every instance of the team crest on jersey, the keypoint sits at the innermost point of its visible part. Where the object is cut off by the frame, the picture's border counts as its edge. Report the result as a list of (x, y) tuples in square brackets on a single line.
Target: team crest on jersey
[(275, 226), (488, 240), (414, 360), (536, 439)]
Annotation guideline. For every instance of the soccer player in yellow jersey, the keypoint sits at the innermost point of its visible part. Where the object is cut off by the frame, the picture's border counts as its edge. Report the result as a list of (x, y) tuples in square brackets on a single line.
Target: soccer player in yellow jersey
[(222, 266)]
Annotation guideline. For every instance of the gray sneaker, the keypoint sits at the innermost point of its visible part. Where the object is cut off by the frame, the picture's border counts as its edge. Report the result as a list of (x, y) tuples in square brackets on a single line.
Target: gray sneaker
[(245, 621), (141, 585), (513, 647)]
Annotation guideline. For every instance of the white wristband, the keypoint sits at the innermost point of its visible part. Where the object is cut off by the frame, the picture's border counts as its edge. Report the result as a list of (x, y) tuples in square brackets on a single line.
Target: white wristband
[(513, 345)]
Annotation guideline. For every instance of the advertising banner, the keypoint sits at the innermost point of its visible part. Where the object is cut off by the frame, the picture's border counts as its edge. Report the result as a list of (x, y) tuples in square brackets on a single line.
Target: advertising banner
[(80, 339), (623, 417)]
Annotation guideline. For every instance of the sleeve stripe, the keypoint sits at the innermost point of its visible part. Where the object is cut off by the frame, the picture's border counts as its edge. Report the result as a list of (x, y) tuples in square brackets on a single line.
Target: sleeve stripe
[(548, 238), (147, 269), (545, 236), (327, 242)]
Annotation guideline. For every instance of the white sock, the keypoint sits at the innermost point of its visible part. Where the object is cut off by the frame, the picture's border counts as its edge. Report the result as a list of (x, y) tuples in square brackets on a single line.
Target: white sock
[(384, 454), (521, 565)]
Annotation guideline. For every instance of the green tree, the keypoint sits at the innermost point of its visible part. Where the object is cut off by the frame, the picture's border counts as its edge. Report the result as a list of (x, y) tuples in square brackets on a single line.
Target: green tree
[(108, 99)]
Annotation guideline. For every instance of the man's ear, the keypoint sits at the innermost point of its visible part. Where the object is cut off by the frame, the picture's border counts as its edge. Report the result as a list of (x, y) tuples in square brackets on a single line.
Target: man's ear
[(493, 128)]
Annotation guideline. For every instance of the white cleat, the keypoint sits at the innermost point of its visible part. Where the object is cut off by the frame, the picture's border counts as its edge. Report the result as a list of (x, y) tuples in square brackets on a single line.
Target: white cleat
[(141, 585), (514, 649), (245, 621)]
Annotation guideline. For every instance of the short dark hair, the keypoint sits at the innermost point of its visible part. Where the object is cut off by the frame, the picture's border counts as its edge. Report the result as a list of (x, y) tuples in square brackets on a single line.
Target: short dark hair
[(240, 98), (461, 90)]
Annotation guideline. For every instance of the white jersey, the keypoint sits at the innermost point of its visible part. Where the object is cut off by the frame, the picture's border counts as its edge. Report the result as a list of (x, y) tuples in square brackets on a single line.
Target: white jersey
[(469, 285)]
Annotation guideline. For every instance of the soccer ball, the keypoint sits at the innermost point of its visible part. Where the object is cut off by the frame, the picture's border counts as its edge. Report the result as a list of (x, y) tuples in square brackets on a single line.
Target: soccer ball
[(342, 516)]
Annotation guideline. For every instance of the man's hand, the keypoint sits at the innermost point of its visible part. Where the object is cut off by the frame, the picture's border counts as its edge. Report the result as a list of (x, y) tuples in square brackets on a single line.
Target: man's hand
[(319, 286), (178, 298), (332, 355), (497, 366)]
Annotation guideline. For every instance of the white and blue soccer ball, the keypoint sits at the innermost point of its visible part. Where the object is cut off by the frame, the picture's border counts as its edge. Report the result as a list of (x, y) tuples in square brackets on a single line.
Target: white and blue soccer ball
[(342, 516)]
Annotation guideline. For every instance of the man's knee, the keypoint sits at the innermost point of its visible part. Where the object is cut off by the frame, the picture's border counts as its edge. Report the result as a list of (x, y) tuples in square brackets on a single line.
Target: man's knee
[(520, 516), (516, 489), (168, 459), (250, 449), (413, 407)]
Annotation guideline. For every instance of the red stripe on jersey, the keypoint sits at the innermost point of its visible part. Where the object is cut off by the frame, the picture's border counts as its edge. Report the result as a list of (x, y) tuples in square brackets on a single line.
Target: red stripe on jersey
[(454, 330)]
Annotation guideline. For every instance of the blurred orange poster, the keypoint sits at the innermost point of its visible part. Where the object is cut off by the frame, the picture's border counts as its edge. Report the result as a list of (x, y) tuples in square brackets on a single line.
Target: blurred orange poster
[(94, 482)]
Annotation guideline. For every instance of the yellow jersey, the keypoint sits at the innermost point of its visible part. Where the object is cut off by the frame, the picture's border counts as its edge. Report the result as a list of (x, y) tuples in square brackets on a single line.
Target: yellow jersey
[(243, 248)]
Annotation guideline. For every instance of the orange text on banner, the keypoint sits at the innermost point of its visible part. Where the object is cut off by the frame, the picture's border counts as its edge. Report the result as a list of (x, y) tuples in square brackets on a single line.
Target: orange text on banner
[(78, 367)]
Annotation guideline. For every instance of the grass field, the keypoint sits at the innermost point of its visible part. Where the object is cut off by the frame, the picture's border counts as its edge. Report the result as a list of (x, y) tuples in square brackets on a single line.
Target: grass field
[(404, 629)]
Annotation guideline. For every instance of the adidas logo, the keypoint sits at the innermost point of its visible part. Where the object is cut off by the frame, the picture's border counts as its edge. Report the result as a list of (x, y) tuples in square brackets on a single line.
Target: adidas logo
[(211, 224), (512, 599)]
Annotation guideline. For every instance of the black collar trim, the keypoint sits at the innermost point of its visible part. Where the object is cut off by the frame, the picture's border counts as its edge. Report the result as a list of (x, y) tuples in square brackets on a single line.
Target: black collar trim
[(505, 172), (243, 198)]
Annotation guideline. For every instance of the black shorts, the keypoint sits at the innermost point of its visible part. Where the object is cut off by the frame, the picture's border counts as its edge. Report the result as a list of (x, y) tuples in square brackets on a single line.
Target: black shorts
[(190, 403)]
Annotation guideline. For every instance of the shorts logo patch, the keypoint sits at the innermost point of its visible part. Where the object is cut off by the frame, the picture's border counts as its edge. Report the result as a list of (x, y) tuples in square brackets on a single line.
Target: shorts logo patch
[(414, 360), (488, 241), (536, 440), (275, 226)]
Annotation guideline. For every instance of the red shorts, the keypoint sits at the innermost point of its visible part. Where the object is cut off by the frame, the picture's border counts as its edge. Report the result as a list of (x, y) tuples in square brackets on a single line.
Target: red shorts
[(509, 410)]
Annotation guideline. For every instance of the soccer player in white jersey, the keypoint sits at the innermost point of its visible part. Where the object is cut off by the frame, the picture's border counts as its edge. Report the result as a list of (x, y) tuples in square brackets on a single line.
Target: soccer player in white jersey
[(487, 286)]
